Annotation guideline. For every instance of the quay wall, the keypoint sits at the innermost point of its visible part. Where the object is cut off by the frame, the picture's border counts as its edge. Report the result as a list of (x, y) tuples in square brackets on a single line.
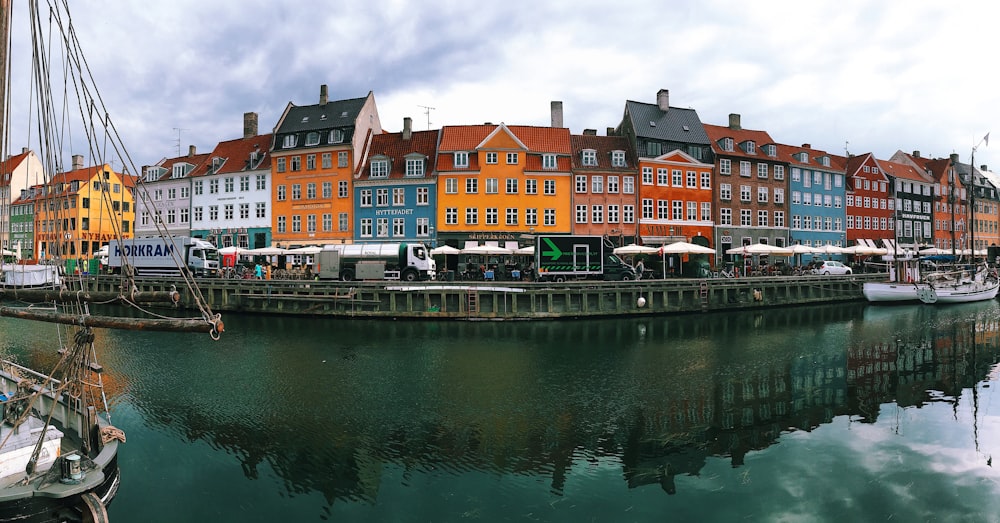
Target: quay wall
[(507, 300)]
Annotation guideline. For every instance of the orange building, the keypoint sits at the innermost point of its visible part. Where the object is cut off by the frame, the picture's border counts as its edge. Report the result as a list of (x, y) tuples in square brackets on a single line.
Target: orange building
[(676, 198), (498, 183), (81, 210), (604, 187), (316, 150)]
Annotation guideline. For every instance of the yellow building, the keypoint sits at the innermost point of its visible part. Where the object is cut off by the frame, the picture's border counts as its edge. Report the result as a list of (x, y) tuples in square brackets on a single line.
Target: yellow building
[(81, 210), (498, 183)]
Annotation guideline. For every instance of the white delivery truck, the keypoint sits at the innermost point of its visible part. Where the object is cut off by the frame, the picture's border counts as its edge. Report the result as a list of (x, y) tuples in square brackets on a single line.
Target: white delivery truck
[(375, 261), (161, 256)]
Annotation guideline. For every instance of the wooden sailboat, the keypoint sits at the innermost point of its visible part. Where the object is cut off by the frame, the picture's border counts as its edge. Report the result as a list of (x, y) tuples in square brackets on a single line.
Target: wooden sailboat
[(952, 283), (58, 446)]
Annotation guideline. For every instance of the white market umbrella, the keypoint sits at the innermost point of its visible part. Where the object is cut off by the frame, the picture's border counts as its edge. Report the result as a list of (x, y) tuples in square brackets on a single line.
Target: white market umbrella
[(830, 249), (305, 250), (445, 249), (760, 248), (265, 251), (798, 248), (231, 250), (633, 249), (525, 251), (685, 248), (487, 250)]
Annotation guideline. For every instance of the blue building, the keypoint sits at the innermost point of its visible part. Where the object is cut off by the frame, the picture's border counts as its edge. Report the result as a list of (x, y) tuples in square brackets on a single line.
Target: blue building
[(394, 190), (816, 199)]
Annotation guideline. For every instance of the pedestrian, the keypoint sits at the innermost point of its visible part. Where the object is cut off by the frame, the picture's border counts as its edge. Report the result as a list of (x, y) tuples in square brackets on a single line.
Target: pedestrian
[(258, 272), (639, 268)]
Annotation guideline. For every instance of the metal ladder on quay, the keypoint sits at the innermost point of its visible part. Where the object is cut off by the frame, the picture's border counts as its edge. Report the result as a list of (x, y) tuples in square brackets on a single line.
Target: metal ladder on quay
[(472, 302)]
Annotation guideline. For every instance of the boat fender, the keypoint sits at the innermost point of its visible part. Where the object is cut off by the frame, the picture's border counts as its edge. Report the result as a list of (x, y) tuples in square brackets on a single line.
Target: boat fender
[(758, 295), (92, 509), (641, 302)]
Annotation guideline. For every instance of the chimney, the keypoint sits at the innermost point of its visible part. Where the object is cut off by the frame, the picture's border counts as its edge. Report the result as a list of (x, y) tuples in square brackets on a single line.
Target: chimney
[(983, 167), (407, 128), (663, 99), (916, 154), (734, 121), (807, 146), (611, 131), (557, 114), (192, 150), (590, 132), (249, 125), (323, 98), (24, 150), (78, 161)]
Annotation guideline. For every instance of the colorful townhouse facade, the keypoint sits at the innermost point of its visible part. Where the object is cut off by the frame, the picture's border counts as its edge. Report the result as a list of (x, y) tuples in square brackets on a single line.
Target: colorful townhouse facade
[(82, 209), (231, 191), (604, 187), (17, 173), (750, 200), (816, 190), (395, 190), (676, 181), (22, 222), (165, 203), (503, 184), (315, 153), (870, 206), (912, 190), (984, 207)]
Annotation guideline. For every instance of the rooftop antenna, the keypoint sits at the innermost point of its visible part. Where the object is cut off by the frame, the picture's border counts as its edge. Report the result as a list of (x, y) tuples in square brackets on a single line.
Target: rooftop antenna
[(178, 129), (427, 111)]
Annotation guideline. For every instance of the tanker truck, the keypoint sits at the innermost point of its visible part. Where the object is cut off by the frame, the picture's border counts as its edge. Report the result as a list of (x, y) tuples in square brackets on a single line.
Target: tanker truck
[(375, 261)]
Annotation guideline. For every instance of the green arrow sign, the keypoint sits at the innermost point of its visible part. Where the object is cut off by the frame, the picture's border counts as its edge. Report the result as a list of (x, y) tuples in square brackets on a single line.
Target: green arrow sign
[(554, 253)]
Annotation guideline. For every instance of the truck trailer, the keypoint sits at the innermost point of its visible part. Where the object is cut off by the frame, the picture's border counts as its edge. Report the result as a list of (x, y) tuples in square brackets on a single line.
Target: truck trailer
[(161, 256), (561, 258), (375, 261)]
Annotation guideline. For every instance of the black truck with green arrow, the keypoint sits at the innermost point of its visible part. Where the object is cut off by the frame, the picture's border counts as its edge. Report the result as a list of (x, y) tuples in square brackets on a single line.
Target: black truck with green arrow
[(567, 257)]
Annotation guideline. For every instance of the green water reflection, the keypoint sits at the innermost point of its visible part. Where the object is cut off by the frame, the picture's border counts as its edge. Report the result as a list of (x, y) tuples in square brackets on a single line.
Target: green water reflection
[(808, 414)]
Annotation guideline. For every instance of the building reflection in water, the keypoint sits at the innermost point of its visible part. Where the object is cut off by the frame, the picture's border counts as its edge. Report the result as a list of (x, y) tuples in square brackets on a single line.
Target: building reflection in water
[(660, 396)]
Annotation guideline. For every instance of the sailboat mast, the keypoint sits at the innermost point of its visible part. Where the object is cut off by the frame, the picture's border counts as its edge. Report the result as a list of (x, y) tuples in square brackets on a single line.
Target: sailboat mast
[(4, 61)]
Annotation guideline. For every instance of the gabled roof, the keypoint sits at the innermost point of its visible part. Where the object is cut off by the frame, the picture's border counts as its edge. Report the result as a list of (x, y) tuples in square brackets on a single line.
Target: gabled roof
[(236, 154), (394, 147), (317, 117), (904, 171), (169, 163), (603, 145), (760, 138), (675, 125), (855, 165), (10, 165), (536, 139), (790, 154)]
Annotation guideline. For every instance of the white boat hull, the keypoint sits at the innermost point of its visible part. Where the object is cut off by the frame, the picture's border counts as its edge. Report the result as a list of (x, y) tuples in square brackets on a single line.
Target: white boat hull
[(888, 292)]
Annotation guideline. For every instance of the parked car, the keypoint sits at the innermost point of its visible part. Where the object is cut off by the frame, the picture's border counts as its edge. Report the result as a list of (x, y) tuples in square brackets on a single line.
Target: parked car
[(828, 267)]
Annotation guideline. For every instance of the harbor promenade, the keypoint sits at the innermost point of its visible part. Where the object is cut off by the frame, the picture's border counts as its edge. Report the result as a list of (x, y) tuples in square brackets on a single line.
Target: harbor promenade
[(509, 300)]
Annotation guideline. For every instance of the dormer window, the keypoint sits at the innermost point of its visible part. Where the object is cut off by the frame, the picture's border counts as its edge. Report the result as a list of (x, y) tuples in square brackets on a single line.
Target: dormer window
[(549, 161), (727, 144), (771, 150), (589, 157), (380, 168), (824, 161), (618, 158), (217, 163), (178, 171), (802, 157), (337, 136), (289, 141), (312, 138), (152, 173), (461, 159), (415, 166), (750, 147)]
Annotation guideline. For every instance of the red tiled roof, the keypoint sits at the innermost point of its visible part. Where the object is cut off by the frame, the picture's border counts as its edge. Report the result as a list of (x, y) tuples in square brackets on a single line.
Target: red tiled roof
[(9, 165), (903, 171), (396, 149), (718, 132), (536, 139), (169, 163), (788, 153), (603, 145)]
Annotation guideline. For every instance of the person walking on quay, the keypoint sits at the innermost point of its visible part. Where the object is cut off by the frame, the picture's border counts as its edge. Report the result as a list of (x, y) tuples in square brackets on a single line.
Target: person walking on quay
[(258, 272), (639, 268)]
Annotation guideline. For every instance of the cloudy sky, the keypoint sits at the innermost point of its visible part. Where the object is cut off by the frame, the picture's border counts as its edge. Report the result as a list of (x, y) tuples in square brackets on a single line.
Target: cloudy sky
[(851, 74)]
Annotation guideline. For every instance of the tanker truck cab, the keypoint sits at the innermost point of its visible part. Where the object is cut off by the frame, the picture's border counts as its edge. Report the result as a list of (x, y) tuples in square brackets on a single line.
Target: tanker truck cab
[(376, 261)]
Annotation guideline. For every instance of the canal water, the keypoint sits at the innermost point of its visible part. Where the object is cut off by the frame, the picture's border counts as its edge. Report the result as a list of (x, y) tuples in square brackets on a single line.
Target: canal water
[(833, 413)]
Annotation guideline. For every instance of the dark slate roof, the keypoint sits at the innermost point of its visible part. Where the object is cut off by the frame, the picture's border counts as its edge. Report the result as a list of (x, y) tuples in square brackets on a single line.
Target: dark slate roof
[(332, 115), (670, 125)]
